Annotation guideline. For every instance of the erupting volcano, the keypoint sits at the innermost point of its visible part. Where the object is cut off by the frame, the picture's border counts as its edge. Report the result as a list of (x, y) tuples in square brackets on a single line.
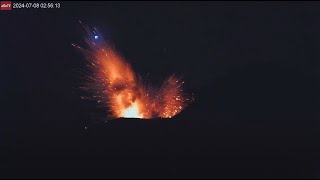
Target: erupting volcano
[(112, 82)]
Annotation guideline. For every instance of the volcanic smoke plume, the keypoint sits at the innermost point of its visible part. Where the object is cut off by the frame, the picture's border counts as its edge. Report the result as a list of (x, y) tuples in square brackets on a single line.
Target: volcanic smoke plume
[(113, 83)]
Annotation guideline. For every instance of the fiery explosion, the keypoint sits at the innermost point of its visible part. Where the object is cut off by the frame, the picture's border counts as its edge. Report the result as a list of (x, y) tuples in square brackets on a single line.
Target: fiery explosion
[(114, 84)]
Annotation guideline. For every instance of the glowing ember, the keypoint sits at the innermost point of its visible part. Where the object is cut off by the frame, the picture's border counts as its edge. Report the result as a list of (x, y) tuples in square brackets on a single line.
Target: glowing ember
[(114, 83)]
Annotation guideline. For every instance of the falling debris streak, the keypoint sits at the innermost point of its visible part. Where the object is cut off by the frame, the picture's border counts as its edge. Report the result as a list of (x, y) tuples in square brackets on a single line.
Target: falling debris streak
[(113, 82)]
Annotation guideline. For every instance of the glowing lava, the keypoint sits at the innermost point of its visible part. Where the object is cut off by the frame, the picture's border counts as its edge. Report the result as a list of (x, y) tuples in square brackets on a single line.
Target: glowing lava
[(113, 83), (132, 111)]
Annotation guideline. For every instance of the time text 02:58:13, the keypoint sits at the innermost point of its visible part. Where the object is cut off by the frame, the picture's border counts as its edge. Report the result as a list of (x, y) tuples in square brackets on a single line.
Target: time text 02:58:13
[(35, 5)]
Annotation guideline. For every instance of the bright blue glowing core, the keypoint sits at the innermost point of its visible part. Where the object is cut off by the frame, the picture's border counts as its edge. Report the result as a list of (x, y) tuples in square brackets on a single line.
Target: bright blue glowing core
[(96, 37)]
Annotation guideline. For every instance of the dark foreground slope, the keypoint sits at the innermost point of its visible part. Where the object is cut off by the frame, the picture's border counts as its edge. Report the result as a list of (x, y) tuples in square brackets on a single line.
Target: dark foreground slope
[(260, 121)]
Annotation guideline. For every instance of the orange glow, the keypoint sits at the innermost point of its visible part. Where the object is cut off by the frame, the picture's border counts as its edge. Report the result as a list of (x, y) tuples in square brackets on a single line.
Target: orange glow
[(118, 87)]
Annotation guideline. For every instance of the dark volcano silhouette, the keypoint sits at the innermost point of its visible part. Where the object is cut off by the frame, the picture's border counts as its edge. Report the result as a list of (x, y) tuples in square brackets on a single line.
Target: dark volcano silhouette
[(258, 121)]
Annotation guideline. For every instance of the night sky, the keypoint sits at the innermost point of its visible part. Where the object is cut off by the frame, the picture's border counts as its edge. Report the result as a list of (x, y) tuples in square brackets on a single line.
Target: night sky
[(253, 68)]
